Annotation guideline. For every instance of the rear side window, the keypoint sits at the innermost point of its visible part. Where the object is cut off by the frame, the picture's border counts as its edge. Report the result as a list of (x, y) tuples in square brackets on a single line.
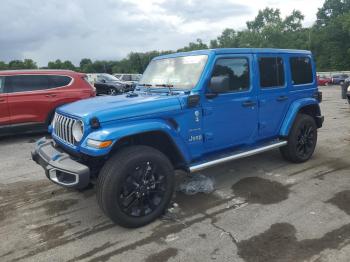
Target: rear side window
[(301, 70), (59, 81), (22, 83), (271, 72)]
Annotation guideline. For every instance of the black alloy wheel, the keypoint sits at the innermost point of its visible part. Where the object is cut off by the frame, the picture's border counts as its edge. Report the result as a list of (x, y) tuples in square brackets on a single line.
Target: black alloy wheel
[(142, 190), (112, 92), (305, 143), (301, 140), (135, 185)]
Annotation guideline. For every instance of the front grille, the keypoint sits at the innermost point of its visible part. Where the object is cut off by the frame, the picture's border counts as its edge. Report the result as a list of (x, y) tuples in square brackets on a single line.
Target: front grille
[(64, 128)]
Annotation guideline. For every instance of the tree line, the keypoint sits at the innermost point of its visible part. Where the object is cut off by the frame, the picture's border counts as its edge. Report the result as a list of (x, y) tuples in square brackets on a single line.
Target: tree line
[(328, 38)]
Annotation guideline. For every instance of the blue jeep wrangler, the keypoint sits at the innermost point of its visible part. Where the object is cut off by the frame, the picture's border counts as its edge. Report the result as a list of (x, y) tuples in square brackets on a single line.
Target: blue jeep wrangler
[(190, 111)]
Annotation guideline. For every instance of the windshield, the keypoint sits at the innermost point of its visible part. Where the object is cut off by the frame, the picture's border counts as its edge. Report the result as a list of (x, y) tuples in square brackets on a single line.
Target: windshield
[(180, 72), (108, 77)]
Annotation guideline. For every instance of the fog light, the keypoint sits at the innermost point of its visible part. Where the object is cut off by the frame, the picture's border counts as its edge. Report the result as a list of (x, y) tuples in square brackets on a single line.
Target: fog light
[(99, 144)]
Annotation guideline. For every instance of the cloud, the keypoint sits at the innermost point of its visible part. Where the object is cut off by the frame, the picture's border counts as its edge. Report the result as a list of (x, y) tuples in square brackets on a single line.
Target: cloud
[(110, 29), (204, 9)]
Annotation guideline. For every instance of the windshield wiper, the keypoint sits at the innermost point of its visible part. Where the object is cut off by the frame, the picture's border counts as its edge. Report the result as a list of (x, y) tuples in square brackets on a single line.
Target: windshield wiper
[(168, 86)]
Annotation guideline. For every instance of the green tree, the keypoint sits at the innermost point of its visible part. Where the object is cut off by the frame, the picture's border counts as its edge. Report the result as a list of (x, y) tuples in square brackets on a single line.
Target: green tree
[(16, 64), (3, 65), (198, 45), (29, 64), (228, 38), (330, 10), (85, 65)]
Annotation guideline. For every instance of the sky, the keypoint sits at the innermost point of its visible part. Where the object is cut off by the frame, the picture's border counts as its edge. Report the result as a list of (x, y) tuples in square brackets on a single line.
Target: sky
[(110, 29)]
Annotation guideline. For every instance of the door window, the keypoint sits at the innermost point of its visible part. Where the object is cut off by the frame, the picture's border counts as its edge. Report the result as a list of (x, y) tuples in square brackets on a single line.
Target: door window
[(237, 70), (23, 83), (301, 70), (271, 72)]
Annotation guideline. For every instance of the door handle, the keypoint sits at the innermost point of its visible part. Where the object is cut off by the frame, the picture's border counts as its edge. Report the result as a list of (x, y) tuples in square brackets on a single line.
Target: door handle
[(2, 100), (282, 98), (248, 103)]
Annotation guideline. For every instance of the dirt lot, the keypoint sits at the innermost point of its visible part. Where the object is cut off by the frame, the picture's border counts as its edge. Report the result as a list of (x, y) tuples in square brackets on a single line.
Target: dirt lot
[(263, 209)]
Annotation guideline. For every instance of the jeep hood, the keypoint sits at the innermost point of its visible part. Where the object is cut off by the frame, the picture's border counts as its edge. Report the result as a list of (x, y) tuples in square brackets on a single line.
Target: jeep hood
[(109, 108)]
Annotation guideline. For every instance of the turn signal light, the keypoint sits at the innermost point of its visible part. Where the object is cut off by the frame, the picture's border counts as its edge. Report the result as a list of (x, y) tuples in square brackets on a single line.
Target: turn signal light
[(99, 144)]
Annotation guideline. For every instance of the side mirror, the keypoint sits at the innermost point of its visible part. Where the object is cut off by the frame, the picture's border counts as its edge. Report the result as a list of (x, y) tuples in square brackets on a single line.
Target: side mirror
[(218, 84), (103, 81)]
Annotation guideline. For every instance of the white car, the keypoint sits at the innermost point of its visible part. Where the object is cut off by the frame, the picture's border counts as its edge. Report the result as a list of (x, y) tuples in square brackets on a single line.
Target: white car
[(129, 78)]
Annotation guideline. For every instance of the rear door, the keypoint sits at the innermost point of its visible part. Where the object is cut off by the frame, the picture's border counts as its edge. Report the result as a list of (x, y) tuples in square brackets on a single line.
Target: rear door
[(4, 111), (30, 98), (273, 93), (303, 81)]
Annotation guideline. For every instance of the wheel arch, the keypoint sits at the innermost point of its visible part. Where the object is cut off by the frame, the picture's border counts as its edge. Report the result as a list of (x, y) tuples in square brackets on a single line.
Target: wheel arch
[(160, 134), (309, 106), (157, 139)]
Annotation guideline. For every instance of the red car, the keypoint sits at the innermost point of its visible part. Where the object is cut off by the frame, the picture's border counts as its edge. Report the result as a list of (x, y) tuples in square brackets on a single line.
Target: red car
[(28, 98), (323, 81)]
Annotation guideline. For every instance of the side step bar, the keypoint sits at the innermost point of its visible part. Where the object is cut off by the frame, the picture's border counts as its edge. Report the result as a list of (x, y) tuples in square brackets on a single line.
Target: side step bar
[(237, 155)]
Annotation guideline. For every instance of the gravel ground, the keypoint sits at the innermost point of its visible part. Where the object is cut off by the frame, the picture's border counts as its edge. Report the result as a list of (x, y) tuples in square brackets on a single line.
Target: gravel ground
[(262, 209)]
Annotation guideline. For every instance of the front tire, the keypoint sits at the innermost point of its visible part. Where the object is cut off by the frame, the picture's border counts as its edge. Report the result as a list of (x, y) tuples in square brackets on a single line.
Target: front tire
[(302, 140), (135, 186)]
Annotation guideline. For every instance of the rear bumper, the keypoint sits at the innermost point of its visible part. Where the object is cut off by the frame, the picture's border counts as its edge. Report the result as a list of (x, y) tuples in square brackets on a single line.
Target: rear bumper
[(59, 167)]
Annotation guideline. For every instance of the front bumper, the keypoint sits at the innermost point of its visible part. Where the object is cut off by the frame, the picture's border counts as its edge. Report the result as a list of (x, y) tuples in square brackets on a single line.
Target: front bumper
[(59, 167)]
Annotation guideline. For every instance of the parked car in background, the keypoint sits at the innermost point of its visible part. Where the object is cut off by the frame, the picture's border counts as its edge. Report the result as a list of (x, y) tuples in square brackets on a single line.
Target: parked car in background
[(345, 92), (339, 79), (129, 78), (323, 81), (28, 98), (107, 84)]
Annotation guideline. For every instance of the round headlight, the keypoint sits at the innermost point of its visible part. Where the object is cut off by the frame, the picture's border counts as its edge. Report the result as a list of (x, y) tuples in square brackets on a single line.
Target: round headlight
[(78, 130)]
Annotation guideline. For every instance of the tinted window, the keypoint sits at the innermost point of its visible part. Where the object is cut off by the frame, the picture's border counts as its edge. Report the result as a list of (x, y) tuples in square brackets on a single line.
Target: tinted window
[(271, 72), (301, 70), (59, 81), (2, 84), (237, 69), (23, 83)]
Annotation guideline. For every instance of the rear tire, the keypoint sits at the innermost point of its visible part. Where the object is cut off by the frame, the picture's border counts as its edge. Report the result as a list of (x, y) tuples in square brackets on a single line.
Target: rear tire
[(302, 140), (135, 186)]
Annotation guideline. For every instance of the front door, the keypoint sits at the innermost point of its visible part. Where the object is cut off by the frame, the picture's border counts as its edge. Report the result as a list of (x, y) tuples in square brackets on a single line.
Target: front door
[(273, 94), (230, 116), (4, 110)]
